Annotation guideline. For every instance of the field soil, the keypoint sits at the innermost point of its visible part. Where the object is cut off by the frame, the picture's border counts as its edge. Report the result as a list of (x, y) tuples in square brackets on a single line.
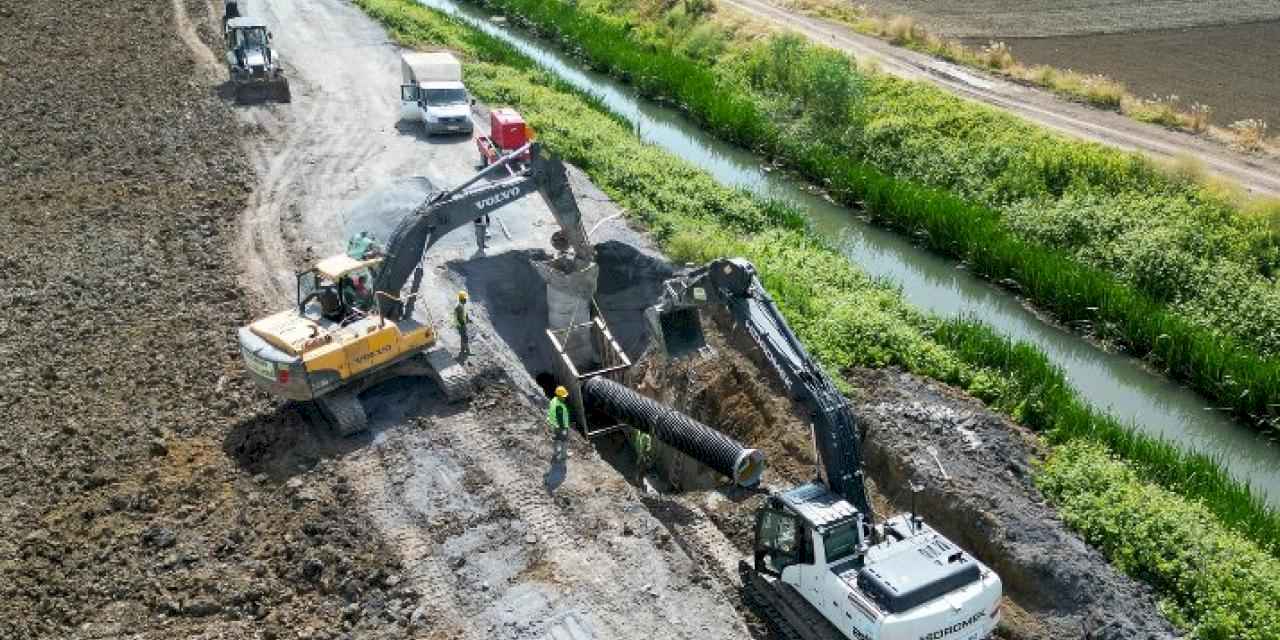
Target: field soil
[(1032, 18), (1255, 173), (1231, 68), (120, 188), (1056, 585)]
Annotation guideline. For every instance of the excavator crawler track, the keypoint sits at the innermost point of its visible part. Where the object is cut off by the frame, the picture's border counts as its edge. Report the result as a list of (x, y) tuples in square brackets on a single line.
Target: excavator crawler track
[(787, 613), (344, 412)]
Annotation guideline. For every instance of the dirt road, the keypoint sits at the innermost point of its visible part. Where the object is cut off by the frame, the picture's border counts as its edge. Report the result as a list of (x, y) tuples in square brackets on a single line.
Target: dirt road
[(1258, 175), (498, 543)]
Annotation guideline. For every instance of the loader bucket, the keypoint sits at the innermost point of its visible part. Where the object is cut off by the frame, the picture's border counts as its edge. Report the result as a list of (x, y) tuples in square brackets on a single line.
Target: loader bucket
[(251, 93), (259, 92), (681, 331), (280, 91)]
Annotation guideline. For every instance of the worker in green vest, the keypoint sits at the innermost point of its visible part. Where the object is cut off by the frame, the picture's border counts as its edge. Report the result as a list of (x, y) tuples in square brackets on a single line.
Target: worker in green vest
[(642, 442), (460, 321), (558, 422)]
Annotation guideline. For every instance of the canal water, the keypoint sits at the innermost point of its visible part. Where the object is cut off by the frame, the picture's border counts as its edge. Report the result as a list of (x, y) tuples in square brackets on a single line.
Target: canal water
[(1110, 381)]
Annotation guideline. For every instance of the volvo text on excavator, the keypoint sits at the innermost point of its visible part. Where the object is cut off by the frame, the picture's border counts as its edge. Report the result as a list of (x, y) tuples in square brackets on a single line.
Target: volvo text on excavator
[(823, 569), (353, 325)]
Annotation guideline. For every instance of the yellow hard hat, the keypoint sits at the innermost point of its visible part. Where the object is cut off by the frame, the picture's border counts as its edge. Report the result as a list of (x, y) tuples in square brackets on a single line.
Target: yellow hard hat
[(562, 392), (462, 296)]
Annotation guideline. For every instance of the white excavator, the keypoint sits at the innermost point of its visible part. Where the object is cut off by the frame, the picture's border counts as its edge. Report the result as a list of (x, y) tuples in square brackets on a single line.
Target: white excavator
[(823, 569)]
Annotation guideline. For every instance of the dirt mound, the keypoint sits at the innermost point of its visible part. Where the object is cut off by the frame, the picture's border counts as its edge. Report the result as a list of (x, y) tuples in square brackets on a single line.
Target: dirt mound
[(1056, 586), (122, 515), (987, 502)]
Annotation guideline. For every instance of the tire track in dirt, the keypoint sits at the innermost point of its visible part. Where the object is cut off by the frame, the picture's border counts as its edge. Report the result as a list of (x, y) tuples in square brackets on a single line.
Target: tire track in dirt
[(204, 56)]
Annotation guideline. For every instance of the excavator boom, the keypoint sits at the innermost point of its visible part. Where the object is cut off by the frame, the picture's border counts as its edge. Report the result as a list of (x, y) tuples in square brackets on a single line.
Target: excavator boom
[(445, 211), (734, 284)]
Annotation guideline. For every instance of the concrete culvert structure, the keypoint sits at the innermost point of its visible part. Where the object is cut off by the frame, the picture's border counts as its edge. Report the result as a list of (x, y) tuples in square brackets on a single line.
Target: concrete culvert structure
[(741, 464)]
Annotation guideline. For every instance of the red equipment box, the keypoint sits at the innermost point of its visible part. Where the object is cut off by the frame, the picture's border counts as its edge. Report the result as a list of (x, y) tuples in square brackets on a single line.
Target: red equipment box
[(508, 132)]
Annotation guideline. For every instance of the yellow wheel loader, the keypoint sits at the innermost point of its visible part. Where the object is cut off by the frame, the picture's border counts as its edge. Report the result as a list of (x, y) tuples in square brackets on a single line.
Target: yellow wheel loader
[(352, 326)]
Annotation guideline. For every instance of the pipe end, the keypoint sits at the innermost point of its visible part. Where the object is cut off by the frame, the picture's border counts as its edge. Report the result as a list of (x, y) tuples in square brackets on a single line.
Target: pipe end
[(748, 468)]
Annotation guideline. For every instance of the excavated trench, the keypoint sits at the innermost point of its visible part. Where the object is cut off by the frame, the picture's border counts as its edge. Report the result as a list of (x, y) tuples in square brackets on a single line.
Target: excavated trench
[(513, 297), (1056, 585)]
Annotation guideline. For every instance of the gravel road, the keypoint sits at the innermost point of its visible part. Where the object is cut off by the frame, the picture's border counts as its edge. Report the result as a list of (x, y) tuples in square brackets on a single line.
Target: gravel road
[(459, 493), (1257, 174)]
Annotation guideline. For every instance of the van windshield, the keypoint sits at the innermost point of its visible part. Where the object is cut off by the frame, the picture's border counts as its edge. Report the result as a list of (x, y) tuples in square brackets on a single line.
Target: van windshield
[(444, 96)]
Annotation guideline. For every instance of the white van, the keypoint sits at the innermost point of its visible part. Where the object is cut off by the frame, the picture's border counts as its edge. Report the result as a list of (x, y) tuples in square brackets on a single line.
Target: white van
[(433, 92)]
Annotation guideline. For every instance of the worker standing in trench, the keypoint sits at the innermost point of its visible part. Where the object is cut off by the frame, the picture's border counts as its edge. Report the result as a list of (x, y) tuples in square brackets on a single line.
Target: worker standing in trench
[(460, 321), (558, 423)]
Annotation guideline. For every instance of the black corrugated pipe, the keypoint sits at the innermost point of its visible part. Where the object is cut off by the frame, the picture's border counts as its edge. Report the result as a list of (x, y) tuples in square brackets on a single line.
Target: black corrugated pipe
[(704, 444)]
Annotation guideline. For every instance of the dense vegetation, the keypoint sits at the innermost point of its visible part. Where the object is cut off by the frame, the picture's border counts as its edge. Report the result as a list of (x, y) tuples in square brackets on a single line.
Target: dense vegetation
[(842, 315), (1211, 580), (1160, 261)]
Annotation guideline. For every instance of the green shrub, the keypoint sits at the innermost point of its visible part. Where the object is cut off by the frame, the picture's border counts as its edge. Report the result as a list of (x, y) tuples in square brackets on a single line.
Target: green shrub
[(1212, 580)]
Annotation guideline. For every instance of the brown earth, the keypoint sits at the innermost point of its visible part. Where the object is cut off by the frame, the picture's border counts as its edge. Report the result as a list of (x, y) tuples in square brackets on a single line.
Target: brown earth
[(1031, 18), (1230, 68), (120, 182), (1055, 584)]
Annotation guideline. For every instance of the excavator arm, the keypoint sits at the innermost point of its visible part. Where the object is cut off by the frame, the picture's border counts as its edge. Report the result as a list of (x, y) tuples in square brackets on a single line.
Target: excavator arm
[(445, 211), (734, 284)]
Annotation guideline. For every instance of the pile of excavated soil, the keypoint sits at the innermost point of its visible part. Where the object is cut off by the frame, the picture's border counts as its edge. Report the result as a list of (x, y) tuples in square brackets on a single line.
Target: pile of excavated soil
[(122, 512), (1056, 585)]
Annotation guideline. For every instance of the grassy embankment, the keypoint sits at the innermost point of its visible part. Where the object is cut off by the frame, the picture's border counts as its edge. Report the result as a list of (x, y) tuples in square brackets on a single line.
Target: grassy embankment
[(1095, 89), (844, 317), (1170, 268)]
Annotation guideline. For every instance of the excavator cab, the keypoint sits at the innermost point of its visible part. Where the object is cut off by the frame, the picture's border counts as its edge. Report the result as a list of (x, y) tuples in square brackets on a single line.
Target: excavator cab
[(780, 540), (339, 289)]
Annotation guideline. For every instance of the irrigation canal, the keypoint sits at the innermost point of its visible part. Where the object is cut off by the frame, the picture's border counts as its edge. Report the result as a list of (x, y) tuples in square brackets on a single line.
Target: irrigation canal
[(1115, 382)]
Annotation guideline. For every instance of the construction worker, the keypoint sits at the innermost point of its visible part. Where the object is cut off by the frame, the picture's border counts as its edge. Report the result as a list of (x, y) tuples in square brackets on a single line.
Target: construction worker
[(356, 293), (558, 423), (460, 320), (482, 232), (642, 442)]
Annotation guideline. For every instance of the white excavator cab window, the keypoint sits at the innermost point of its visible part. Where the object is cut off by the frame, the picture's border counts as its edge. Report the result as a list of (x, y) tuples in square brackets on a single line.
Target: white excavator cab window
[(777, 540), (841, 542)]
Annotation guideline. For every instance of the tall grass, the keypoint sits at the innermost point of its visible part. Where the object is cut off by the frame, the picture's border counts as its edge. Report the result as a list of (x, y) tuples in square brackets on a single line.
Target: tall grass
[(1051, 406), (1229, 373), (845, 319)]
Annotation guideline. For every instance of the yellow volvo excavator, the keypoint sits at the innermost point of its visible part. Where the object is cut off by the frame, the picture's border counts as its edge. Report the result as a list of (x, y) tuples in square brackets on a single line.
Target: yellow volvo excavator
[(352, 324)]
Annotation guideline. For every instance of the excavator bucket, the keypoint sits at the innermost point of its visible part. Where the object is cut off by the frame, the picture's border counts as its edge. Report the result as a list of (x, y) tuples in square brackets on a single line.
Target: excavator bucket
[(681, 331)]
